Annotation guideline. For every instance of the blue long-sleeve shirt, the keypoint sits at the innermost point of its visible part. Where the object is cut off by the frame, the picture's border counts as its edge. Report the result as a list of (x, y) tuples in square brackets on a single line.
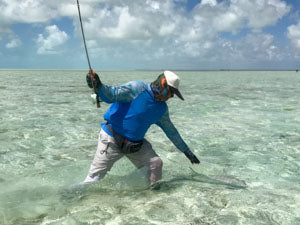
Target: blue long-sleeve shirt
[(134, 109)]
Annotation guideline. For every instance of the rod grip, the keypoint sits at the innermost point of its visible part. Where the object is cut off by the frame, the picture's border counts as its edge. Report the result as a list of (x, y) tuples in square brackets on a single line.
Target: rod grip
[(95, 88), (98, 101)]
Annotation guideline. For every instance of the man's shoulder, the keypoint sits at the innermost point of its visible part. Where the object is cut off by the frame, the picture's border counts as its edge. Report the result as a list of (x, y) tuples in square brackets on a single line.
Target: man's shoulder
[(137, 86)]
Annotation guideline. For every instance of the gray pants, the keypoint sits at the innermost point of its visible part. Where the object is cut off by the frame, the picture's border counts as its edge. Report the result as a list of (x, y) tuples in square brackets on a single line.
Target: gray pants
[(108, 152)]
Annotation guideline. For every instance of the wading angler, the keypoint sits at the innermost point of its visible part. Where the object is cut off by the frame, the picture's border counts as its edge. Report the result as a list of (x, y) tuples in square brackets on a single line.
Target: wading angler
[(135, 106)]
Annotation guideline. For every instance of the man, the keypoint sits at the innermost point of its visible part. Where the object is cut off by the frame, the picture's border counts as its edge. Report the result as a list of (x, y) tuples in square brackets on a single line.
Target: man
[(135, 107)]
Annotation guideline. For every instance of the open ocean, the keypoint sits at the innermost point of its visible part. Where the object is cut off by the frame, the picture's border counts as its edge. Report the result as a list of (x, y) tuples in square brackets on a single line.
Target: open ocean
[(243, 125)]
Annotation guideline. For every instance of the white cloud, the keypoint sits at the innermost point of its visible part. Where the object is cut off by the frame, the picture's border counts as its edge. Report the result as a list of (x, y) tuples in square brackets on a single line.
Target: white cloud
[(27, 11), (128, 26), (14, 43), (227, 21), (54, 38), (151, 18), (247, 52), (260, 13), (209, 2), (153, 5), (122, 29), (158, 29), (294, 34), (259, 47), (134, 20), (235, 14)]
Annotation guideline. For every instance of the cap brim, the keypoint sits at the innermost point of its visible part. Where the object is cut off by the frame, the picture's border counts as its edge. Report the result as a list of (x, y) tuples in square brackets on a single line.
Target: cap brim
[(176, 92)]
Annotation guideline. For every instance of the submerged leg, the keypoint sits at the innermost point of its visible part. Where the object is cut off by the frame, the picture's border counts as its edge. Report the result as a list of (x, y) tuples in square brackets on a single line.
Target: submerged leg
[(147, 157), (155, 170)]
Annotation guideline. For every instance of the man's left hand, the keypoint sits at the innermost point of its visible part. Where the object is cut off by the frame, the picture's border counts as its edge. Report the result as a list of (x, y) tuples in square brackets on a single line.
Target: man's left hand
[(191, 157)]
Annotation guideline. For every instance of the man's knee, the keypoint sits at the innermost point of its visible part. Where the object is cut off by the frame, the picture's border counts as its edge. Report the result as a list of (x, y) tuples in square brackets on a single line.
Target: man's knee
[(156, 163)]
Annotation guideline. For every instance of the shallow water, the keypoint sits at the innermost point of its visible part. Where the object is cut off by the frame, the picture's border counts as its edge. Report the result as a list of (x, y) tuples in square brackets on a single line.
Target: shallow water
[(244, 126)]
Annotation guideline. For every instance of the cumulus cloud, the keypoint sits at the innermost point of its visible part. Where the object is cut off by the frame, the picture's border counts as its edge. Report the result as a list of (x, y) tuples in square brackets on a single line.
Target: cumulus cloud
[(155, 29), (258, 47), (259, 13), (167, 31), (248, 50), (128, 26), (149, 18), (53, 38), (14, 43), (294, 34), (233, 15), (145, 19), (209, 2), (27, 11)]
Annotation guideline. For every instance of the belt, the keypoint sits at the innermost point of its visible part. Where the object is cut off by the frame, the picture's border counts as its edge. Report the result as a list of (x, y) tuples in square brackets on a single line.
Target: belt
[(125, 145)]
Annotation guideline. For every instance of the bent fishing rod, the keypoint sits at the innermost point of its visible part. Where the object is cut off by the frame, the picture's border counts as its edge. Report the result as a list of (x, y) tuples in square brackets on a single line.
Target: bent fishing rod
[(87, 56)]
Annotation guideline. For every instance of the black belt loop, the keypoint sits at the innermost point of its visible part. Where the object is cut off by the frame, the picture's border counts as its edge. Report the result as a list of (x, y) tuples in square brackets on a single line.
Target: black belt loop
[(109, 128)]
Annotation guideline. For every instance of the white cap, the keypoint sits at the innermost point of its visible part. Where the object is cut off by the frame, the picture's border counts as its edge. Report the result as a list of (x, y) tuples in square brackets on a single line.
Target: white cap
[(173, 81)]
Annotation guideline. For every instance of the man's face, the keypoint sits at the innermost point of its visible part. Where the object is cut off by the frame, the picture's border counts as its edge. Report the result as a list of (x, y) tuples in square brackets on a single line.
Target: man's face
[(165, 90), (162, 91)]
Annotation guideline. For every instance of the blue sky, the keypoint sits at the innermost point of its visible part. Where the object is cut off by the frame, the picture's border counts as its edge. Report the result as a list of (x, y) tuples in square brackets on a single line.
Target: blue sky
[(151, 34)]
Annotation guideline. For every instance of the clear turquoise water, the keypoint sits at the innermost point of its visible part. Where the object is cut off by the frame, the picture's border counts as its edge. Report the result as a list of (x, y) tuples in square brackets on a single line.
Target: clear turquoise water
[(244, 126)]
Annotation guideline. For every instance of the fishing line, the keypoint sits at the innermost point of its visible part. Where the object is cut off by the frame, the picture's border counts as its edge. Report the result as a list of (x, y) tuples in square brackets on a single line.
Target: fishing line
[(87, 56)]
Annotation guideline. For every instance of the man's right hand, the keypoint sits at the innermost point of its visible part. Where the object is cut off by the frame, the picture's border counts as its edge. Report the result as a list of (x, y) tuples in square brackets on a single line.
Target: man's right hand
[(191, 157), (93, 81)]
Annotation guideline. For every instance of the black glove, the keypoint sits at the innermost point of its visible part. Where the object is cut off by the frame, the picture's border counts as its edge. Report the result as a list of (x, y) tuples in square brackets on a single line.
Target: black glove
[(97, 82), (191, 157)]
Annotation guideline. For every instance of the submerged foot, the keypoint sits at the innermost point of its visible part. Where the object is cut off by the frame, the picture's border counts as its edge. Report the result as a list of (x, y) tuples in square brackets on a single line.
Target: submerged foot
[(155, 186), (75, 191)]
